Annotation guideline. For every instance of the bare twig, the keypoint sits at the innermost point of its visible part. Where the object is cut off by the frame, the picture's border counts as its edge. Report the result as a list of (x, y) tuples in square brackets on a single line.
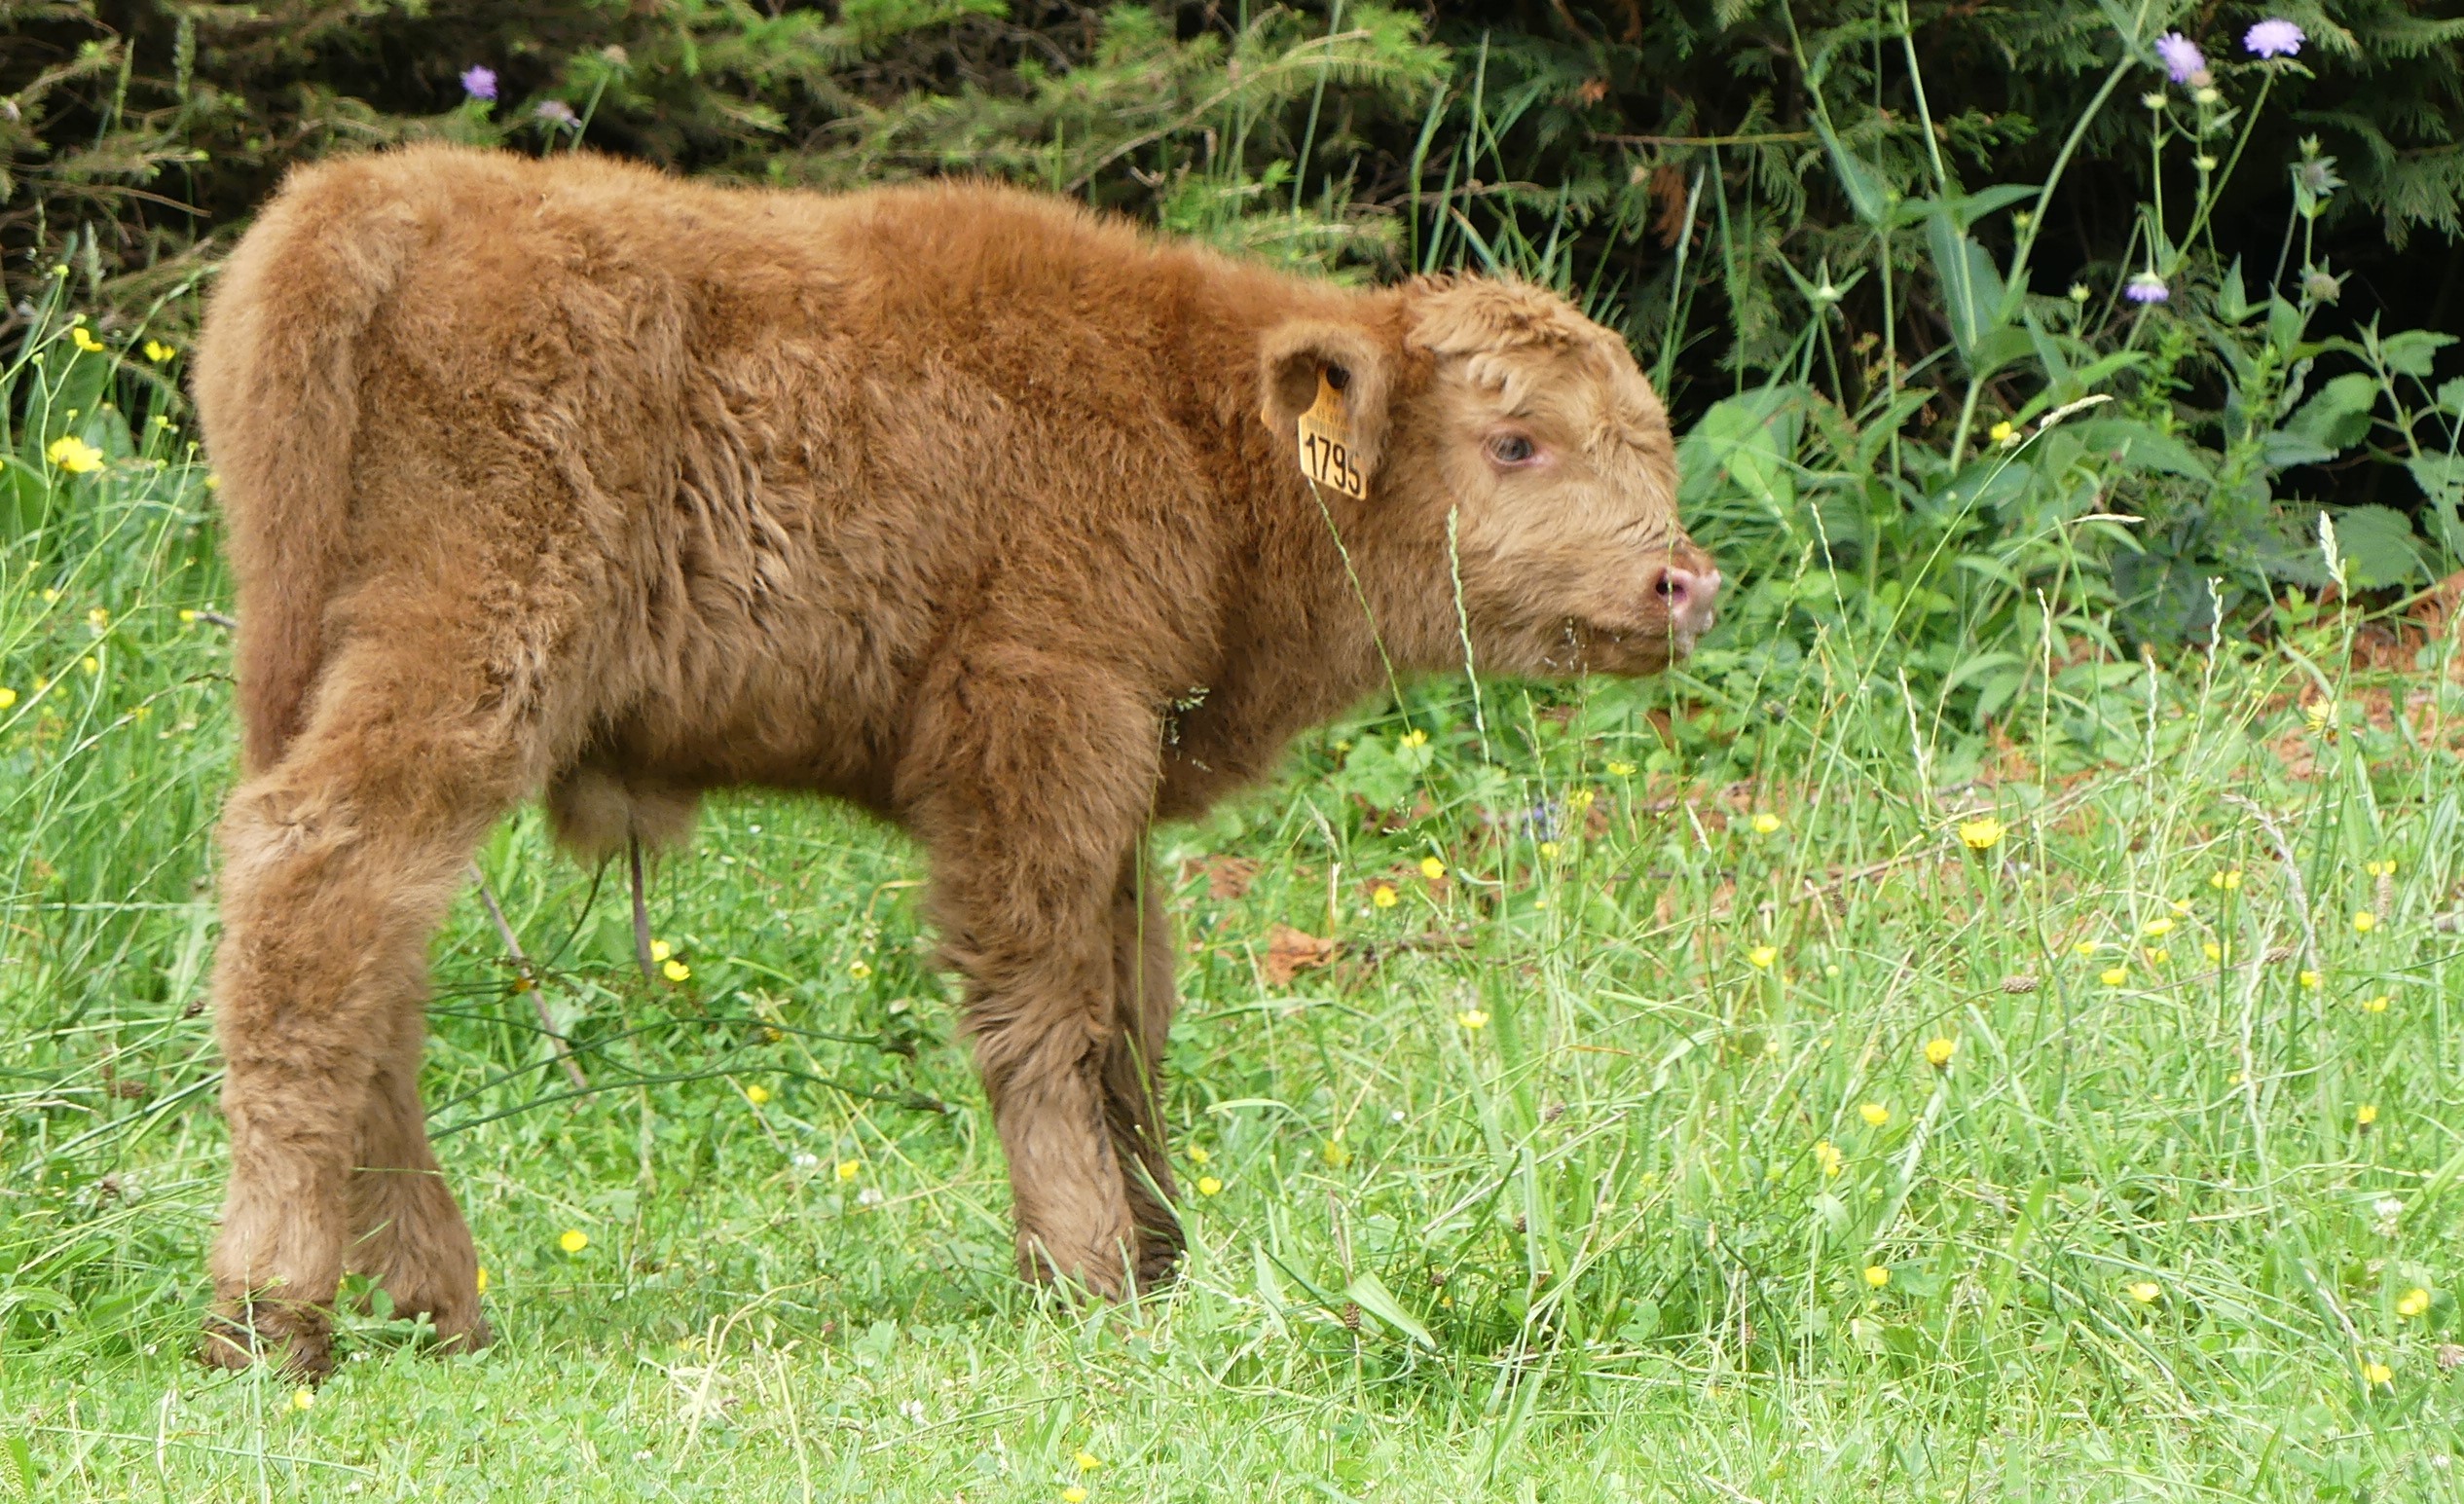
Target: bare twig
[(531, 976), (641, 910)]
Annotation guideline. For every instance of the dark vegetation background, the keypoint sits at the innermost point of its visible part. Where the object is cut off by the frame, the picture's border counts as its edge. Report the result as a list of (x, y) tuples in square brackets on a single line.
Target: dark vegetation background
[(1831, 320)]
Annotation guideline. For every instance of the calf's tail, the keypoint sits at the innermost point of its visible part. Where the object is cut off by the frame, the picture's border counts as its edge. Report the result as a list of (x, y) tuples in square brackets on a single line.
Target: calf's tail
[(278, 392)]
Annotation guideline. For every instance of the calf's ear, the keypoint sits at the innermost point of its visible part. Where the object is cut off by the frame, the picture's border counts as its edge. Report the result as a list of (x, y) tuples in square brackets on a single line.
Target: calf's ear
[(1296, 354)]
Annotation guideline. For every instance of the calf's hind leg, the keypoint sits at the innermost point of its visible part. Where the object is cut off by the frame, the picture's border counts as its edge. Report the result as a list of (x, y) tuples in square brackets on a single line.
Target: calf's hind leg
[(338, 863), (406, 1233)]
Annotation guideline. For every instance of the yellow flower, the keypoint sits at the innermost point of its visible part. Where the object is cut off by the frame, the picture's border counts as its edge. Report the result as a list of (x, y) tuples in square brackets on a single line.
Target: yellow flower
[(1087, 1461), (1621, 770), (213, 482), (2376, 1005), (2308, 979), (2161, 925), (1074, 1494), (2179, 906), (2364, 921), (1766, 823), (157, 351), (1827, 1154), (91, 664), (482, 1279), (757, 1095), (2412, 1302), (860, 969), (84, 339), (2321, 715), (2086, 947), (1761, 957), (573, 1241), (99, 619), (1432, 868), (2211, 950), (2386, 869), (74, 454), (2158, 955), (1199, 1156), (1876, 1276), (1334, 1153), (1383, 896), (301, 1399), (2002, 432), (1416, 737), (1939, 1052), (1874, 1114), (849, 1169), (2375, 1372), (8, 697), (2365, 1114), (2112, 976), (1472, 1018), (1548, 850), (187, 616), (2228, 880), (676, 971), (1980, 834), (660, 950), (2144, 1290), (1208, 1185)]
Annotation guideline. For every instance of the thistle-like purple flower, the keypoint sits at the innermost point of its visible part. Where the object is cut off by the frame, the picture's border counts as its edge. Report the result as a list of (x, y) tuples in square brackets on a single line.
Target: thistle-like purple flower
[(2182, 59), (479, 82), (556, 112), (2274, 37), (2147, 287)]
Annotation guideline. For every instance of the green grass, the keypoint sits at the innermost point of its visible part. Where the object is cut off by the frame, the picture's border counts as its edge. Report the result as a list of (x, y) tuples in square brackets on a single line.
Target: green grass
[(1587, 1250)]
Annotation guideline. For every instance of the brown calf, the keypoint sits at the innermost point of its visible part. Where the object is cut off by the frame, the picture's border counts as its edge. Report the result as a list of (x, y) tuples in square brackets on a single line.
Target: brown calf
[(565, 477)]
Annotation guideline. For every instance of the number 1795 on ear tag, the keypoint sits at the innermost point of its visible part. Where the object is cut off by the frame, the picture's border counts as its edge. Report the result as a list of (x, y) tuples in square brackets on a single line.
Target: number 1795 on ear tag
[(1329, 455)]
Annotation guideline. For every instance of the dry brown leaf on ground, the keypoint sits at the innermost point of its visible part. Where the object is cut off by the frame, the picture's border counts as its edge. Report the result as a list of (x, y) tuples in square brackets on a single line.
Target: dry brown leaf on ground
[(1229, 877), (1290, 953)]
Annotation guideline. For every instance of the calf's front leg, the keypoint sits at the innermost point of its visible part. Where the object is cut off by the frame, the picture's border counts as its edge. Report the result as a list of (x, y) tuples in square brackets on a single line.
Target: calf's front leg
[(1030, 783)]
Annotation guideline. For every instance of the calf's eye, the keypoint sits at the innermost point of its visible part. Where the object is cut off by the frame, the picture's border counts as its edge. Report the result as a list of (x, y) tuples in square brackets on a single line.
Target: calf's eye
[(1513, 448)]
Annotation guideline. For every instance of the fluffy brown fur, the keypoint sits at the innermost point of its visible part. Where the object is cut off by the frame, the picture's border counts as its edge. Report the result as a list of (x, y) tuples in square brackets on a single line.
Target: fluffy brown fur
[(566, 478)]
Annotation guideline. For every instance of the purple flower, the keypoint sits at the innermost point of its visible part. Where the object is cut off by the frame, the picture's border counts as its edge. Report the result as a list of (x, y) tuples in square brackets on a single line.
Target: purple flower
[(2147, 287), (479, 82), (2274, 37), (556, 112), (2180, 56)]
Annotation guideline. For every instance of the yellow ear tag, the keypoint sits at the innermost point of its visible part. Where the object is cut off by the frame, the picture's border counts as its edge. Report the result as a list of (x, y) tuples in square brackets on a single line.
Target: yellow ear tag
[(1329, 455)]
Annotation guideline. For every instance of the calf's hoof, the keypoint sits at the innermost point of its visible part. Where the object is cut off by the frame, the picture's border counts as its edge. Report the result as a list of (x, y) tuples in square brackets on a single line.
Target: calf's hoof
[(1158, 1263), (298, 1338)]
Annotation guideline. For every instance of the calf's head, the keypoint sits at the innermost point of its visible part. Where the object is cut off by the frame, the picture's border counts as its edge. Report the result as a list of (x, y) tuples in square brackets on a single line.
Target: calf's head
[(1501, 405)]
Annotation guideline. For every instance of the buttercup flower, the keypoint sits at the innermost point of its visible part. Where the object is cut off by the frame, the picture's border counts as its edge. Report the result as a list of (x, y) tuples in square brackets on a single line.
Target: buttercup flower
[(2086, 947), (2365, 1114), (157, 351), (1876, 1276), (2228, 880), (2386, 869), (1939, 1052), (1827, 1154), (573, 1240), (2003, 433), (302, 1398), (8, 697), (1980, 834), (2112, 976), (1199, 1155), (1621, 770), (2308, 979), (84, 339), (1761, 957), (1432, 868), (660, 950), (1087, 1461), (1766, 823), (2161, 925), (482, 1279), (849, 1169), (479, 82), (1074, 1494), (2364, 921), (2144, 1290), (860, 969), (1383, 896), (2211, 950), (676, 971), (2146, 288), (1208, 1185), (2274, 37), (2412, 1302), (2374, 1373), (2376, 1005), (1874, 1114), (2180, 56), (74, 454), (1472, 1018), (757, 1095), (1416, 737), (1548, 850)]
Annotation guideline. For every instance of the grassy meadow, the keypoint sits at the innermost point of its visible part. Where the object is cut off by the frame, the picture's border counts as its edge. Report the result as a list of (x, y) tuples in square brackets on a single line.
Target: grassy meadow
[(1705, 1096)]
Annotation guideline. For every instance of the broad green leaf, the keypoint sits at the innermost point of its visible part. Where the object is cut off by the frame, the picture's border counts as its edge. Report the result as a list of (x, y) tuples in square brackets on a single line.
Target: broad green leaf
[(2133, 442), (2413, 352), (1866, 195), (1370, 1293), (2379, 547)]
